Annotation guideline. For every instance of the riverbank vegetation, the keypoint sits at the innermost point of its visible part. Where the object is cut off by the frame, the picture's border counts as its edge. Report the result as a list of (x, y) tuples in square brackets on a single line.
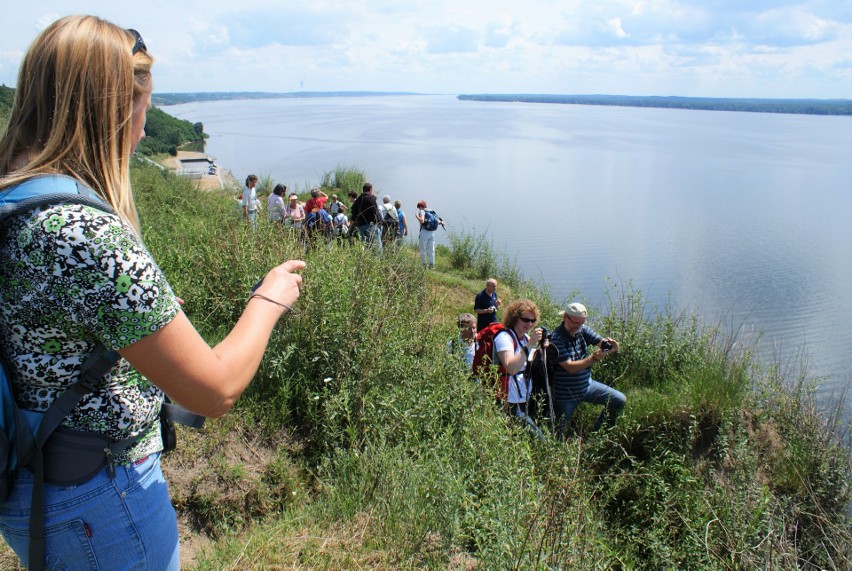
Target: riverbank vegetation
[(163, 132), (362, 444), (752, 105)]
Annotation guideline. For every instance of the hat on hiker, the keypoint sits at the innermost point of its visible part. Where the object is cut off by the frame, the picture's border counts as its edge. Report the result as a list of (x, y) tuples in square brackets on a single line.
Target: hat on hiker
[(575, 309)]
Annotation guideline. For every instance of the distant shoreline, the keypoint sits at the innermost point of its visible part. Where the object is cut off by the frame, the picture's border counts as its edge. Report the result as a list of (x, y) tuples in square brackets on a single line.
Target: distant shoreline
[(789, 106), (835, 107)]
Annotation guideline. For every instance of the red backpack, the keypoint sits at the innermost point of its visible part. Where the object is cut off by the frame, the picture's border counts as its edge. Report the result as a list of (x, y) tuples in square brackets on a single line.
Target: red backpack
[(484, 355)]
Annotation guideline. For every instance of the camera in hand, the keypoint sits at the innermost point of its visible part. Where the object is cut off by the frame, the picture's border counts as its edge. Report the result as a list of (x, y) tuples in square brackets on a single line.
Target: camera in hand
[(606, 345), (545, 336)]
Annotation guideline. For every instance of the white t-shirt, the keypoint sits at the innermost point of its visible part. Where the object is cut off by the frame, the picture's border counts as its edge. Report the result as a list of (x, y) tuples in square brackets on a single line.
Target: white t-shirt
[(519, 387), (249, 199), (340, 224), (275, 206)]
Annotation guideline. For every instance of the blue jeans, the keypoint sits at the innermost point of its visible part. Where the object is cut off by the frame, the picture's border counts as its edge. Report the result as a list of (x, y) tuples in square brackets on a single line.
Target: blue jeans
[(519, 411), (597, 393), (122, 523), (372, 234)]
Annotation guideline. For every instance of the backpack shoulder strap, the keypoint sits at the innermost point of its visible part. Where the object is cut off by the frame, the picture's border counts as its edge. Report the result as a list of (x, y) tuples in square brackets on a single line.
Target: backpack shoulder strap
[(48, 189)]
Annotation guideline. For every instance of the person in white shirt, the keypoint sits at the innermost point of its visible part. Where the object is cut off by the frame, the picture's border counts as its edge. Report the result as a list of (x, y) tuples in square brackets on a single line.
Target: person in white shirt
[(249, 202), (514, 346), (464, 345), (275, 204)]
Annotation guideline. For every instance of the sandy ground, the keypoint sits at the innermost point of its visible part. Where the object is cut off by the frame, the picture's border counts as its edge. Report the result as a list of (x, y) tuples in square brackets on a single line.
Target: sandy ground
[(222, 179)]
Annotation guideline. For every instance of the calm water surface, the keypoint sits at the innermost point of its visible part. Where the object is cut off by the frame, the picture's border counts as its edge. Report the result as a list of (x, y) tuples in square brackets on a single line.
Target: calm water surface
[(742, 217)]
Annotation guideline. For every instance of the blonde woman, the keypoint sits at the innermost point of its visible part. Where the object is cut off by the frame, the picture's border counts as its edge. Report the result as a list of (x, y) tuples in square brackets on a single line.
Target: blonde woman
[(84, 279)]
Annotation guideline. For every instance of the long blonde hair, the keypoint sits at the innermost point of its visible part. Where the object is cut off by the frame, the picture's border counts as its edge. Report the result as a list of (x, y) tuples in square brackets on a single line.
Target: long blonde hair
[(73, 108)]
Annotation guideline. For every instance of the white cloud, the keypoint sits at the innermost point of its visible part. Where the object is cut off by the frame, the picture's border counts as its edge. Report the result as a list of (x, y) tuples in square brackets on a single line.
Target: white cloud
[(759, 48)]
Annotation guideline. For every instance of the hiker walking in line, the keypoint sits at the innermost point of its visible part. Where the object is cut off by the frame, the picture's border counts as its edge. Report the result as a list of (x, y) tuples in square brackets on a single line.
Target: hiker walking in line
[(249, 201), (429, 222), (485, 305), (294, 213), (336, 207), (87, 286), (389, 218), (514, 346), (402, 231), (464, 344), (365, 217), (275, 204)]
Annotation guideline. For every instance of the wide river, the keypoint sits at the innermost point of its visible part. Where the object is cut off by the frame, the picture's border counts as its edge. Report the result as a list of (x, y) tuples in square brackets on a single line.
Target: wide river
[(744, 218)]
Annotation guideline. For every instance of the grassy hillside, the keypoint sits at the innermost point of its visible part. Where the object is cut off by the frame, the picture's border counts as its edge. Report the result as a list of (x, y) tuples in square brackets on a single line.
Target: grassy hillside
[(361, 444), (6, 96)]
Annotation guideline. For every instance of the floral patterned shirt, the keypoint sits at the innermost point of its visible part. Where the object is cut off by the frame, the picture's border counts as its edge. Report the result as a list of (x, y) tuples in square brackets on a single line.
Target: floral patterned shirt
[(72, 276)]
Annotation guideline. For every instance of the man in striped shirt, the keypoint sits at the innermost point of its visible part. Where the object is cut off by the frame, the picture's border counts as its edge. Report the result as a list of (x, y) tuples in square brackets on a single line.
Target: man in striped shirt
[(572, 381)]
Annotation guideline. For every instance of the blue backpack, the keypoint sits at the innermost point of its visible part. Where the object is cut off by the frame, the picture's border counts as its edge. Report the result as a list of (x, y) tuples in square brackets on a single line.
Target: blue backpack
[(430, 220), (35, 440)]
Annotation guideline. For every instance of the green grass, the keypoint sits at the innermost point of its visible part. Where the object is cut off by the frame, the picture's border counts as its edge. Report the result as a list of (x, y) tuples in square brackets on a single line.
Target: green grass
[(394, 459)]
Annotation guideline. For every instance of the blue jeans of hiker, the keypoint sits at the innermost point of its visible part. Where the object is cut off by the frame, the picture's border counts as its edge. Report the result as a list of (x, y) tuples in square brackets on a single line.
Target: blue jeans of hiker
[(597, 393), (123, 523), (519, 411), (371, 234)]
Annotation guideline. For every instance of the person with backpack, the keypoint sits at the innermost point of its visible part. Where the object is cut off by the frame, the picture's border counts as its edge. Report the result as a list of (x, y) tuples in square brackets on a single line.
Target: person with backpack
[(429, 222), (365, 217), (336, 207), (390, 219), (76, 277), (511, 345), (572, 380), (402, 230)]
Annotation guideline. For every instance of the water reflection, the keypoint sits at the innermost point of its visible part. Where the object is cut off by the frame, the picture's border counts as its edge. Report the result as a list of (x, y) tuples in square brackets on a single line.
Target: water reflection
[(743, 217)]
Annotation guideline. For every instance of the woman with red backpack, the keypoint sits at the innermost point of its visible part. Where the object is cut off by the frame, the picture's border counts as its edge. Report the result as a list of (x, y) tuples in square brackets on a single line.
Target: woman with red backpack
[(511, 345)]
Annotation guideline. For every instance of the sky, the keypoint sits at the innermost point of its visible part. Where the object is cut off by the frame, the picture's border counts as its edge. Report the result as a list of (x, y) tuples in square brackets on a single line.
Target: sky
[(693, 48)]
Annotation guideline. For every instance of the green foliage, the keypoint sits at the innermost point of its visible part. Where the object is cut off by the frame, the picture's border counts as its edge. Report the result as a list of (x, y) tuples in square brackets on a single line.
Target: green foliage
[(702, 471), (7, 96), (343, 179), (472, 255), (165, 133)]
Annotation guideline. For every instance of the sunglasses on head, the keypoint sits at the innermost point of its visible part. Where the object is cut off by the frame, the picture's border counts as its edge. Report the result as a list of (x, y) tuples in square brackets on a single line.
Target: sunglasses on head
[(139, 44)]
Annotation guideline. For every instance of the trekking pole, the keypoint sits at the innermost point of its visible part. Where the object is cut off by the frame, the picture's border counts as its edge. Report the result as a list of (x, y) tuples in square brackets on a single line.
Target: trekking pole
[(545, 345)]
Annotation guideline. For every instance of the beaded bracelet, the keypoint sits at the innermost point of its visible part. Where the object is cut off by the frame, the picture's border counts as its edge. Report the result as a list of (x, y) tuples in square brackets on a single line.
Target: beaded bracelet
[(278, 303)]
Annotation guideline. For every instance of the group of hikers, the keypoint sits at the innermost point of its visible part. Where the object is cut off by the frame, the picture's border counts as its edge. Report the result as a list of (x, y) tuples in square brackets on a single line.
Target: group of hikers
[(539, 374), (375, 224)]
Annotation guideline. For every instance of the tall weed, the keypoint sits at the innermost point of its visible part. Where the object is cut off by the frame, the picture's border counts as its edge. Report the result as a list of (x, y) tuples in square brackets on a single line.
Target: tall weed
[(701, 472)]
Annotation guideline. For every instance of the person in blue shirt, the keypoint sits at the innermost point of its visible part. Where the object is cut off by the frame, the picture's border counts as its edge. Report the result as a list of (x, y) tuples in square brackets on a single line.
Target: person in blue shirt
[(572, 381), (403, 222), (485, 305)]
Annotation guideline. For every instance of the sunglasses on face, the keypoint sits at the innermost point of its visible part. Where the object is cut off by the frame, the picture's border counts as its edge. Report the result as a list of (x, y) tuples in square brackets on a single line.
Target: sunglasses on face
[(527, 319), (139, 44)]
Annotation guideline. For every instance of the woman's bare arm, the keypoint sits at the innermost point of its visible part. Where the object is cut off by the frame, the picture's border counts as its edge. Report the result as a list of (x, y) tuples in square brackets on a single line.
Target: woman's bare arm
[(208, 380)]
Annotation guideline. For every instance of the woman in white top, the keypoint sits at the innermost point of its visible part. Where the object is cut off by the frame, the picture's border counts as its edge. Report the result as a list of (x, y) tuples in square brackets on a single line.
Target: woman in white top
[(275, 204), (514, 346)]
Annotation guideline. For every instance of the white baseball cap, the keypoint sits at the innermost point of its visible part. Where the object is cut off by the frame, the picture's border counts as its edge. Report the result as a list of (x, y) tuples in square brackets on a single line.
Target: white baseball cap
[(575, 309)]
